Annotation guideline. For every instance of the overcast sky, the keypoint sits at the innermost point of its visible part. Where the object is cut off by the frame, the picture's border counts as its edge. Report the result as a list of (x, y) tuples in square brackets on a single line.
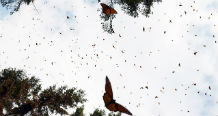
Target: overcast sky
[(178, 66)]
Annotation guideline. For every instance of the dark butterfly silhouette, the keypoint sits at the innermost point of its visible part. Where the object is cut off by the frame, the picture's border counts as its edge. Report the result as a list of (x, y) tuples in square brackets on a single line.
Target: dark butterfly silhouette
[(108, 10), (110, 102)]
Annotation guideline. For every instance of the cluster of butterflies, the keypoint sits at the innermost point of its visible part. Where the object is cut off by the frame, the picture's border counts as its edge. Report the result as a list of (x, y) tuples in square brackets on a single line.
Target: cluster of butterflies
[(110, 103)]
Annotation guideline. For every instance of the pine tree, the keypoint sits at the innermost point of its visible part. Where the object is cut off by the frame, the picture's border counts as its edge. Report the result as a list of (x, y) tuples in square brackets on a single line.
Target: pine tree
[(21, 95), (79, 112), (99, 112), (132, 8)]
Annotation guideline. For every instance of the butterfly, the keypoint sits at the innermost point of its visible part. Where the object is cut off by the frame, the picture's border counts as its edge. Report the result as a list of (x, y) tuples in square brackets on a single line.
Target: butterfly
[(110, 103), (108, 10)]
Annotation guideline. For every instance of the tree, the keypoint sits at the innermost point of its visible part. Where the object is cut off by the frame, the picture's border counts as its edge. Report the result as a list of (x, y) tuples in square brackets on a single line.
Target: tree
[(20, 95), (113, 114), (99, 112), (79, 112), (14, 5), (132, 8)]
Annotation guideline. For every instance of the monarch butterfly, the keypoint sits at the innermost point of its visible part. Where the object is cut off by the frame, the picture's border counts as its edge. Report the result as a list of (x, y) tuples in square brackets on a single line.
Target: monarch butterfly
[(108, 10), (110, 102)]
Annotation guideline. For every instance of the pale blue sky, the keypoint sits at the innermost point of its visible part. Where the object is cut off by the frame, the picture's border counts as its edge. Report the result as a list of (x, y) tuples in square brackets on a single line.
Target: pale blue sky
[(3, 12)]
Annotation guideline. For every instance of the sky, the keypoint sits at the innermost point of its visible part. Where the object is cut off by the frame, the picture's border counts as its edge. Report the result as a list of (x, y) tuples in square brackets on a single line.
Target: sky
[(175, 57)]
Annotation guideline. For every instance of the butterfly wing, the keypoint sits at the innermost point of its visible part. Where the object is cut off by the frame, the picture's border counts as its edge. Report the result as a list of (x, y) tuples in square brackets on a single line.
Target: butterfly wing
[(104, 7), (107, 9), (108, 95), (113, 11), (107, 99), (122, 109), (107, 12), (112, 107), (117, 107), (109, 102), (108, 88)]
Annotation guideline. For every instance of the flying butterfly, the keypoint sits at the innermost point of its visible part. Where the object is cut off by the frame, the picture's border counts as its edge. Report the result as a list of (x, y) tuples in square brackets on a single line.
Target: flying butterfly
[(110, 103), (107, 9)]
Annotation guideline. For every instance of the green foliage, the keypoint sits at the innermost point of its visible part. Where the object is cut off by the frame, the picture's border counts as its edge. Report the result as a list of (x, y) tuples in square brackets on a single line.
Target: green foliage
[(113, 114), (98, 112), (25, 93), (132, 7), (62, 97), (15, 88), (79, 112)]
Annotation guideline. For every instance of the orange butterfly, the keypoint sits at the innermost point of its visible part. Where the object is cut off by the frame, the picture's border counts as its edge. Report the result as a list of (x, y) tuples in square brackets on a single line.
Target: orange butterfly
[(110, 102), (108, 10)]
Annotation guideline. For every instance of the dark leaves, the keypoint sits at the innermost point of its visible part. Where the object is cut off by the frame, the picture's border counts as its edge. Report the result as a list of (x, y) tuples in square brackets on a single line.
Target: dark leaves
[(28, 96), (131, 7)]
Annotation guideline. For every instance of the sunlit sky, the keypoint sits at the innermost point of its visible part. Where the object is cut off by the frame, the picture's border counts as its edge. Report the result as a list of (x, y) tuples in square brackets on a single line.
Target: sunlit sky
[(76, 52)]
